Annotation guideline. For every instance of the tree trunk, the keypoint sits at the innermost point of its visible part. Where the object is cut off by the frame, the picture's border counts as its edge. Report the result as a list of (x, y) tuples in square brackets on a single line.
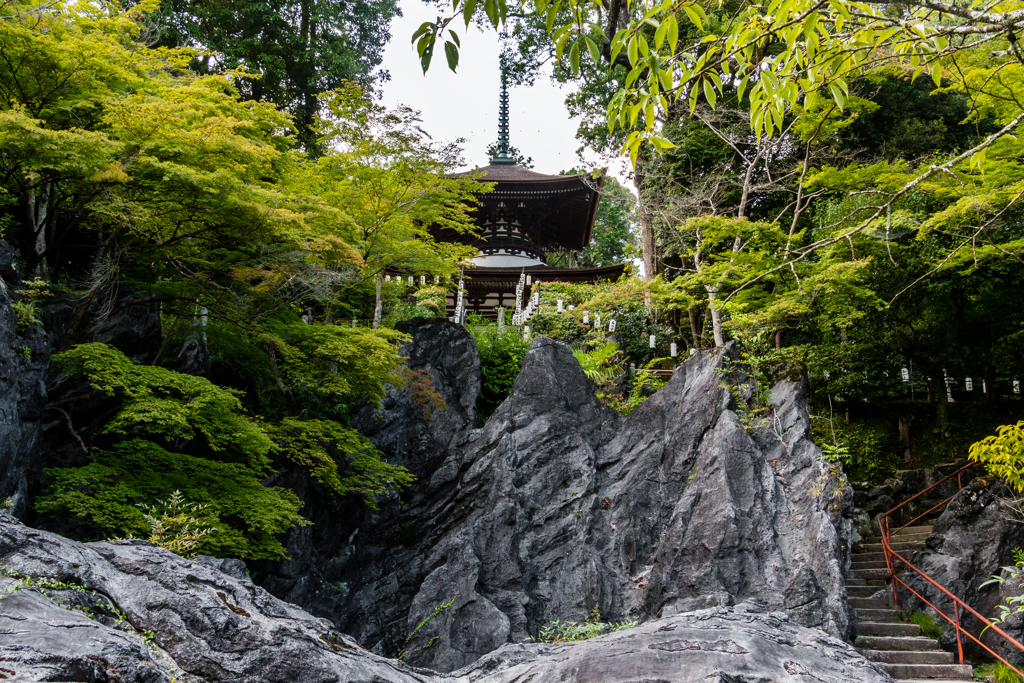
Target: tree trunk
[(39, 216), (378, 305), (716, 319), (692, 311)]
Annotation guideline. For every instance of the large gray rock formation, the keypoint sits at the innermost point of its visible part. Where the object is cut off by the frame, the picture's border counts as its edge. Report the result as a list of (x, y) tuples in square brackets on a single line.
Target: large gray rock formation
[(24, 364), (131, 612), (742, 644), (975, 536), (559, 504)]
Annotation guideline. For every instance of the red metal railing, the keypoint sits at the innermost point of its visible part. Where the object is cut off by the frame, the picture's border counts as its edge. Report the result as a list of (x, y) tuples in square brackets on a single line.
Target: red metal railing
[(892, 558)]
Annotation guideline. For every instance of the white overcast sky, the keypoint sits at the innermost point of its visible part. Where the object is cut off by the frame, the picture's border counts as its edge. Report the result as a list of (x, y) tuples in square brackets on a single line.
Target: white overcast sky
[(465, 104)]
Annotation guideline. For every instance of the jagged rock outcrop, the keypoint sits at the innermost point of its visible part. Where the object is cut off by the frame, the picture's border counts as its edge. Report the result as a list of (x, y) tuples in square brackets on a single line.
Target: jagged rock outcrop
[(24, 364), (448, 355), (129, 611), (559, 504), (975, 536)]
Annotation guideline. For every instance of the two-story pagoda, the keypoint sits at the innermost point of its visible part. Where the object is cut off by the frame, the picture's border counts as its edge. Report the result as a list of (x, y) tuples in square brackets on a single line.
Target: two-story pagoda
[(526, 216)]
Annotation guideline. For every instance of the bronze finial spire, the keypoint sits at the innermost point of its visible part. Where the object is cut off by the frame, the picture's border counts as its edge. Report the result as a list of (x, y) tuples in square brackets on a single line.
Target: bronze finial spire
[(502, 156)]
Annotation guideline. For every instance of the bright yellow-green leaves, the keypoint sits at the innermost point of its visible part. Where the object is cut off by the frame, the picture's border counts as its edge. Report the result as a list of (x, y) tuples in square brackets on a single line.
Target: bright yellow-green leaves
[(1003, 454)]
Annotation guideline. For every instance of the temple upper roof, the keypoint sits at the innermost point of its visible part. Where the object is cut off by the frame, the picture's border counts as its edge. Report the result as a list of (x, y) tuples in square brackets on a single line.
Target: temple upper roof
[(556, 212)]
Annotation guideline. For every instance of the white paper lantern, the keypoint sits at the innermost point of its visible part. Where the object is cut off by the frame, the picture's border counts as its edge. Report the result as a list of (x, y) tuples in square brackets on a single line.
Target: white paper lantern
[(1016, 386), (611, 325), (597, 322), (969, 383), (984, 386), (559, 305), (906, 374), (387, 278), (586, 318), (529, 280), (526, 332), (437, 279), (652, 341), (674, 350), (410, 280), (423, 279)]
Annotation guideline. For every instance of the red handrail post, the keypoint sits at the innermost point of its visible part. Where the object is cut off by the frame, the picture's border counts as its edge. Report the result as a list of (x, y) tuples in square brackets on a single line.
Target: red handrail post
[(959, 644)]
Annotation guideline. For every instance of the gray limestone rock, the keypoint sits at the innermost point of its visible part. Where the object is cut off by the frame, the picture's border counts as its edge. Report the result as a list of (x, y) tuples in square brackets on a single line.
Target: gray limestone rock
[(447, 356), (207, 618), (716, 645), (203, 620), (24, 364), (559, 504)]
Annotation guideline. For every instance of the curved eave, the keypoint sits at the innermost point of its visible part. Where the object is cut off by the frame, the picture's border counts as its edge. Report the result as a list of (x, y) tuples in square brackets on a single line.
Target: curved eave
[(577, 196)]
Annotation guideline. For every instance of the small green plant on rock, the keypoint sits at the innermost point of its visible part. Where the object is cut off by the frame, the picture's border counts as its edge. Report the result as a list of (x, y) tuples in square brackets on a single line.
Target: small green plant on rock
[(996, 672), (1013, 573), (930, 627), (437, 610), (569, 631), (175, 524)]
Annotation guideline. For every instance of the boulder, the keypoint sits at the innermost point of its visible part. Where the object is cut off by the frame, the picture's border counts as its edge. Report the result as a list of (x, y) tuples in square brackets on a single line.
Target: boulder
[(740, 644), (975, 536), (203, 618), (559, 505), (130, 611)]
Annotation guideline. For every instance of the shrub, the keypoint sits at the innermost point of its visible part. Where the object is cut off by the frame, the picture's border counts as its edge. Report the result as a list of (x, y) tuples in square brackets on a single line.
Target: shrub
[(1003, 454), (569, 631), (180, 433), (176, 525), (930, 627), (501, 357)]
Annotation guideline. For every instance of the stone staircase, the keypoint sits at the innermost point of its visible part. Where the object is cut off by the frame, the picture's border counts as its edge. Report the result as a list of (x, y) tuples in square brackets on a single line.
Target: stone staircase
[(897, 646)]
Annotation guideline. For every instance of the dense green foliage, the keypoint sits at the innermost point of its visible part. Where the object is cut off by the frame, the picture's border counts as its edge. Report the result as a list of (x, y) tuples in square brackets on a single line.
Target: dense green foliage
[(501, 357), (177, 434)]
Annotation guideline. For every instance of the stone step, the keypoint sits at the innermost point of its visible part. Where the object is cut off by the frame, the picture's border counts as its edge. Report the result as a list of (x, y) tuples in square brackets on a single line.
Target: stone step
[(866, 603), (868, 557), (857, 592), (877, 547), (878, 615), (874, 564), (909, 656), (860, 582), (962, 672), (869, 574), (914, 531), (869, 628), (917, 644)]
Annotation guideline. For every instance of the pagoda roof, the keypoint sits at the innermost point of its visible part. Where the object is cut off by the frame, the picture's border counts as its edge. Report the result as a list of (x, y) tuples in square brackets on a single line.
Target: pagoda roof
[(562, 207)]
